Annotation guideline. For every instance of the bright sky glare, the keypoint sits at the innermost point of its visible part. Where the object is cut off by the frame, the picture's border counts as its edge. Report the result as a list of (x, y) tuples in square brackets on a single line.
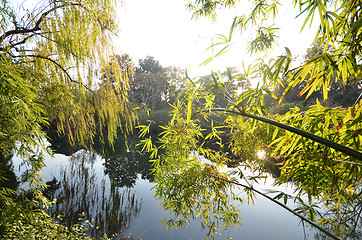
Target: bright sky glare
[(164, 29)]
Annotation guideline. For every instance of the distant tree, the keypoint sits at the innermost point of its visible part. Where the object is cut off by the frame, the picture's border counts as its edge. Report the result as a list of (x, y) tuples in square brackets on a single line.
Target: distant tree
[(149, 89), (233, 80), (317, 49), (149, 65), (345, 95), (154, 86), (177, 82)]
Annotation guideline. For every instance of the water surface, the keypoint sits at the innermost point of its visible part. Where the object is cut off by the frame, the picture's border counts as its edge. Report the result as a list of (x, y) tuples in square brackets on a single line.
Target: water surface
[(116, 192)]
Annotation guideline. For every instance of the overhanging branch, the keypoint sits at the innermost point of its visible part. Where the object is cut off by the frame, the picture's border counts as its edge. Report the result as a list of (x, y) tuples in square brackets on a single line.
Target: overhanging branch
[(37, 23), (326, 142), (282, 205), (61, 68)]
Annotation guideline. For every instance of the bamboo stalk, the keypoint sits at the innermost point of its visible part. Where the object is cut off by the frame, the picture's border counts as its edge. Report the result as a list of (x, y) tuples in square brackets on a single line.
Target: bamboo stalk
[(326, 142)]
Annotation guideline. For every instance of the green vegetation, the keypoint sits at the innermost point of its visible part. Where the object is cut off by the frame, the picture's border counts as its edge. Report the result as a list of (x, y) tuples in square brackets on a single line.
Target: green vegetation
[(153, 88), (56, 66), (192, 187)]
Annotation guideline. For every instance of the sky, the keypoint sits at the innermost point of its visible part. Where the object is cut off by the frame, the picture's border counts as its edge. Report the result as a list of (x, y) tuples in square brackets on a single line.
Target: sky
[(165, 30)]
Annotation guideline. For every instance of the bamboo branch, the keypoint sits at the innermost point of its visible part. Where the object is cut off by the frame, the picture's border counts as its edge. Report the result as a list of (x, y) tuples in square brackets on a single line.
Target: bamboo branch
[(326, 142), (344, 161), (355, 224), (283, 206)]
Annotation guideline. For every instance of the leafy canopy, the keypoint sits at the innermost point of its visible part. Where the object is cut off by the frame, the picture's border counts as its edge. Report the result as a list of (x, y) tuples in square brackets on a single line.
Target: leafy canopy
[(57, 62), (57, 65)]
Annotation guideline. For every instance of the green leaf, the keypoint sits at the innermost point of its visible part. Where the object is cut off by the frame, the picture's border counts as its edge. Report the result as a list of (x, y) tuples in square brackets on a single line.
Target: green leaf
[(310, 84), (143, 130), (270, 93), (285, 199), (189, 107)]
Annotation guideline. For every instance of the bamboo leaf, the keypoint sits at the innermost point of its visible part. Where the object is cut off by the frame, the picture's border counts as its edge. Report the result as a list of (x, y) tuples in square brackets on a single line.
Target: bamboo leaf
[(309, 85), (189, 107)]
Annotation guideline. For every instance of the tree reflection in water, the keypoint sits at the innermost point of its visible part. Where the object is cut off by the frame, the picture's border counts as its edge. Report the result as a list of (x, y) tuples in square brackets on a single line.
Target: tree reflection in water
[(81, 189), (125, 169), (7, 172)]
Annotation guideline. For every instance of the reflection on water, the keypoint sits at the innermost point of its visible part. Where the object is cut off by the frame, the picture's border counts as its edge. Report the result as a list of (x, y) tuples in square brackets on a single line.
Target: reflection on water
[(114, 190), (125, 169), (7, 172), (80, 190)]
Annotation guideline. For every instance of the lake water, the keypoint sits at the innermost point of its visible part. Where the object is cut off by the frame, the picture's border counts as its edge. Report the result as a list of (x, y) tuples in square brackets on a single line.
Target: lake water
[(116, 192)]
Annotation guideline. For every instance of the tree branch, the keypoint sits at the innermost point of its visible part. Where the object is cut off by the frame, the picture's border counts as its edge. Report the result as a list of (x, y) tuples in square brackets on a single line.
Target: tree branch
[(37, 23), (282, 205), (15, 44), (61, 68), (63, 45), (355, 224), (55, 63), (326, 142)]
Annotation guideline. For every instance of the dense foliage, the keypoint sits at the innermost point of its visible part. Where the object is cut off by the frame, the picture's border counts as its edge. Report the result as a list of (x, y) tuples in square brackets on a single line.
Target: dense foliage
[(57, 66), (329, 178)]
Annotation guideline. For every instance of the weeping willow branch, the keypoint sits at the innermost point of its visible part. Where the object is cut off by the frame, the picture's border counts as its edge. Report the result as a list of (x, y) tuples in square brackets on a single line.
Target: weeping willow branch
[(37, 23), (282, 205), (7, 48), (61, 68), (326, 142), (55, 63)]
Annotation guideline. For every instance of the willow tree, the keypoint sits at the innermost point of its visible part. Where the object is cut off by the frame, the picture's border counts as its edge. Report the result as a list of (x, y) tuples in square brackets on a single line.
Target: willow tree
[(57, 64), (317, 149)]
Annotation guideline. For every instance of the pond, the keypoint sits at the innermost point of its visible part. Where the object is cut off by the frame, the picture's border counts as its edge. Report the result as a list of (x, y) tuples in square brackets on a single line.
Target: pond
[(116, 192)]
